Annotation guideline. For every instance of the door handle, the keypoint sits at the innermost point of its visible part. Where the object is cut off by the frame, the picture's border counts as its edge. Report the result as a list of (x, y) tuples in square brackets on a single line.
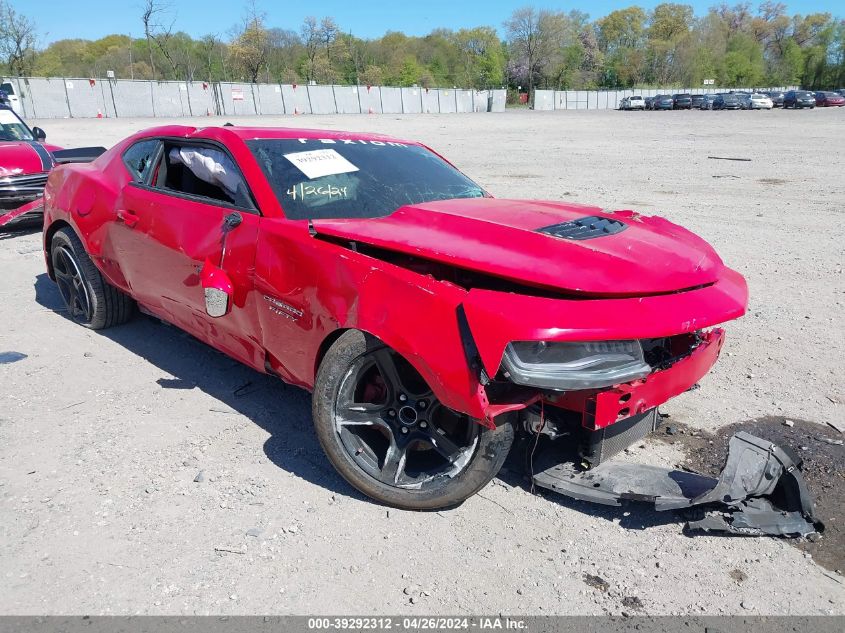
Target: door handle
[(127, 217)]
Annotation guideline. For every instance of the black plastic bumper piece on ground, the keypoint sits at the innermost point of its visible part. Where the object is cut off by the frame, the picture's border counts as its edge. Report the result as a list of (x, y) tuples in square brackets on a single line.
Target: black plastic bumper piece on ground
[(759, 491)]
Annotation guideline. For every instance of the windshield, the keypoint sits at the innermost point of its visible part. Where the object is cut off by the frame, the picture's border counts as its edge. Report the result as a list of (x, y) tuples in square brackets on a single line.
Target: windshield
[(12, 128), (349, 178)]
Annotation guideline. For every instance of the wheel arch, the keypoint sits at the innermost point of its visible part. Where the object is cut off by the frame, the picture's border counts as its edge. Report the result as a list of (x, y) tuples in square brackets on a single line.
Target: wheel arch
[(49, 232), (467, 402)]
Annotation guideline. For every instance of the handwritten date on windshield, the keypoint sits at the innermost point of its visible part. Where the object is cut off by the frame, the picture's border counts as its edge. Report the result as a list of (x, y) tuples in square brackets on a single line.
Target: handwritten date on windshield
[(304, 191)]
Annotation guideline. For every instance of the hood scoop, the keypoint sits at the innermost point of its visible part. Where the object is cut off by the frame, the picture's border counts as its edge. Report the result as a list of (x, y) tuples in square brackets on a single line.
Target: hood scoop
[(586, 228)]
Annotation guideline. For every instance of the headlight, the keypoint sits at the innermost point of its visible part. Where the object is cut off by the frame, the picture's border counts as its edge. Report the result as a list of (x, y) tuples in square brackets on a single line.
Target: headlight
[(569, 366)]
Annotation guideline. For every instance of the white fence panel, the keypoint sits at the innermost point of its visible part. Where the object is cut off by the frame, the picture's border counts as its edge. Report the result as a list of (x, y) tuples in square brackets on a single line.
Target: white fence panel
[(295, 98), (369, 97), (411, 100), (499, 100), (391, 100), (463, 101), (270, 99), (85, 99), (133, 98), (43, 98), (544, 100), (346, 99), (322, 99), (430, 101), (448, 101)]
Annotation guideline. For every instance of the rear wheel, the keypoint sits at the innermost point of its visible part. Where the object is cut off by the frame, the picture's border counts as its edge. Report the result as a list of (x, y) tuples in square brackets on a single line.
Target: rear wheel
[(388, 435), (90, 300)]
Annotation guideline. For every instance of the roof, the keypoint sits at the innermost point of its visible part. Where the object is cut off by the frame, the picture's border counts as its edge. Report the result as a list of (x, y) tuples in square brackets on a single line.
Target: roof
[(247, 133)]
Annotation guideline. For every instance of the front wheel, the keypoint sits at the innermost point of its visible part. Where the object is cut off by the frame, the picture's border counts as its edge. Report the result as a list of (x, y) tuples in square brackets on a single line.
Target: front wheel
[(388, 435)]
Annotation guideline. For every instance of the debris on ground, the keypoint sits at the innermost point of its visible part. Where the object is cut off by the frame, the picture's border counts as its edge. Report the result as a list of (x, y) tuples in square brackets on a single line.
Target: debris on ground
[(823, 469), (596, 582), (759, 490)]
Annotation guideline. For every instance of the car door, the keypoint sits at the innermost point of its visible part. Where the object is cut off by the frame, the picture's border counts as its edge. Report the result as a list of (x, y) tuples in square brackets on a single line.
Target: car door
[(169, 222)]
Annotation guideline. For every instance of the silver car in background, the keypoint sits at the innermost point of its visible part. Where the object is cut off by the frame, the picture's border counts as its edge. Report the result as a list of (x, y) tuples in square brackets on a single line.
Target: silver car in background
[(757, 101)]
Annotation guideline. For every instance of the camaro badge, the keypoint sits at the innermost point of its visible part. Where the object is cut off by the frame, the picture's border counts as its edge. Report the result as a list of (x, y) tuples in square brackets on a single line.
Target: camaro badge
[(281, 308)]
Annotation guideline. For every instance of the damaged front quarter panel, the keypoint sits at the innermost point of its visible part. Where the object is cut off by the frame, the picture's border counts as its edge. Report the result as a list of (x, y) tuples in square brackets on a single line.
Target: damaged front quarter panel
[(759, 491)]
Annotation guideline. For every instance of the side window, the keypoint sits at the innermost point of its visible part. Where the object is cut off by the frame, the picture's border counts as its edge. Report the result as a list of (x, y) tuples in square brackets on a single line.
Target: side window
[(202, 171), (140, 157)]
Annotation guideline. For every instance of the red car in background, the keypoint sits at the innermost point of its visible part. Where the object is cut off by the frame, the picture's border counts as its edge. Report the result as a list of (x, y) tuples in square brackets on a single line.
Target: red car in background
[(432, 322), (829, 99), (25, 162)]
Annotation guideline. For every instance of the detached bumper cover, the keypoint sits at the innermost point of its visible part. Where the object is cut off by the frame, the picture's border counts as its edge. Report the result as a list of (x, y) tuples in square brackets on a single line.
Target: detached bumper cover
[(759, 491)]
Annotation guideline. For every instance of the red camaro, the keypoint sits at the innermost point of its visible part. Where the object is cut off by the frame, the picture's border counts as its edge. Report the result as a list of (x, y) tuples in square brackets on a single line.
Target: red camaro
[(432, 321)]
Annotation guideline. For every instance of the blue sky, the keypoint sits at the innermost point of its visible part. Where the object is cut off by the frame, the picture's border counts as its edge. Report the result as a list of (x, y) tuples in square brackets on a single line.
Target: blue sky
[(59, 19)]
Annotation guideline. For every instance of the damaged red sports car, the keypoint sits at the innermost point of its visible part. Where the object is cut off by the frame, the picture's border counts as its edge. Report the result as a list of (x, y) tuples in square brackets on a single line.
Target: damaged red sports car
[(433, 322)]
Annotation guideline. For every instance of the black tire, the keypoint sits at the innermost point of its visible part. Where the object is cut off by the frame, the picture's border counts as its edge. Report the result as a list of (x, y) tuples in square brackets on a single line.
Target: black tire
[(478, 461), (90, 300)]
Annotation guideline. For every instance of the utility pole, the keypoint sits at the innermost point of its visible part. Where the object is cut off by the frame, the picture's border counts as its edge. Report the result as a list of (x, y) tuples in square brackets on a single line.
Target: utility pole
[(131, 69)]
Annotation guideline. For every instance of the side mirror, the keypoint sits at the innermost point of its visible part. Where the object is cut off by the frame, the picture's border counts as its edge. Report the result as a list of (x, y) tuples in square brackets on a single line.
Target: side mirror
[(217, 288), (39, 134)]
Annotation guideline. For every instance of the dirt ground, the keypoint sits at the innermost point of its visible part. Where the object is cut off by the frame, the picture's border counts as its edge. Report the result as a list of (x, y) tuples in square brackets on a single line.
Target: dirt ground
[(142, 472)]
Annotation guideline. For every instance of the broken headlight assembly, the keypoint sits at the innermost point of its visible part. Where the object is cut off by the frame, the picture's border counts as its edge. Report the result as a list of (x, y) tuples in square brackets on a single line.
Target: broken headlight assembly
[(570, 366)]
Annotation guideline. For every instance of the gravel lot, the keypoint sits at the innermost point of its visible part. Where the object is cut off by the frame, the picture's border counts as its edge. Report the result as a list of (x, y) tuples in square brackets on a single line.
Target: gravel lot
[(142, 472)]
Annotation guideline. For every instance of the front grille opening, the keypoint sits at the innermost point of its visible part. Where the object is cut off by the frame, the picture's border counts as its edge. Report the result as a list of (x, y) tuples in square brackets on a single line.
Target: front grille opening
[(662, 353)]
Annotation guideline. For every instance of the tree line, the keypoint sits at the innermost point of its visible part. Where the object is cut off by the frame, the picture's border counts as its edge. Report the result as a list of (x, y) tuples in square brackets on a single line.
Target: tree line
[(669, 45)]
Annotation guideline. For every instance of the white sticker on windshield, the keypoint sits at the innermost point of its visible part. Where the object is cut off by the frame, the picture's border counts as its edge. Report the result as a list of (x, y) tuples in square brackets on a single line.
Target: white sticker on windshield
[(7, 117), (320, 162)]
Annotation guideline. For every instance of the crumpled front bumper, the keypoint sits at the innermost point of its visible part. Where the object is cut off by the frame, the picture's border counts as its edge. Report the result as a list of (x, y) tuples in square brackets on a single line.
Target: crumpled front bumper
[(603, 408)]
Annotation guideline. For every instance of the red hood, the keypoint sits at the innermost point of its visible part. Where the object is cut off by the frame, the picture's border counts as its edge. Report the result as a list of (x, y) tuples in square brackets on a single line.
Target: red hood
[(20, 158), (500, 237)]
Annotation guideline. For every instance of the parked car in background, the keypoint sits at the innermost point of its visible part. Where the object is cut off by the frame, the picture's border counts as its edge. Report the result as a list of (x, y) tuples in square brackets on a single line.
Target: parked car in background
[(728, 101), (777, 98), (682, 101), (25, 162), (697, 100), (829, 99), (649, 103), (707, 102), (12, 99), (757, 101), (634, 102), (799, 99), (663, 102)]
